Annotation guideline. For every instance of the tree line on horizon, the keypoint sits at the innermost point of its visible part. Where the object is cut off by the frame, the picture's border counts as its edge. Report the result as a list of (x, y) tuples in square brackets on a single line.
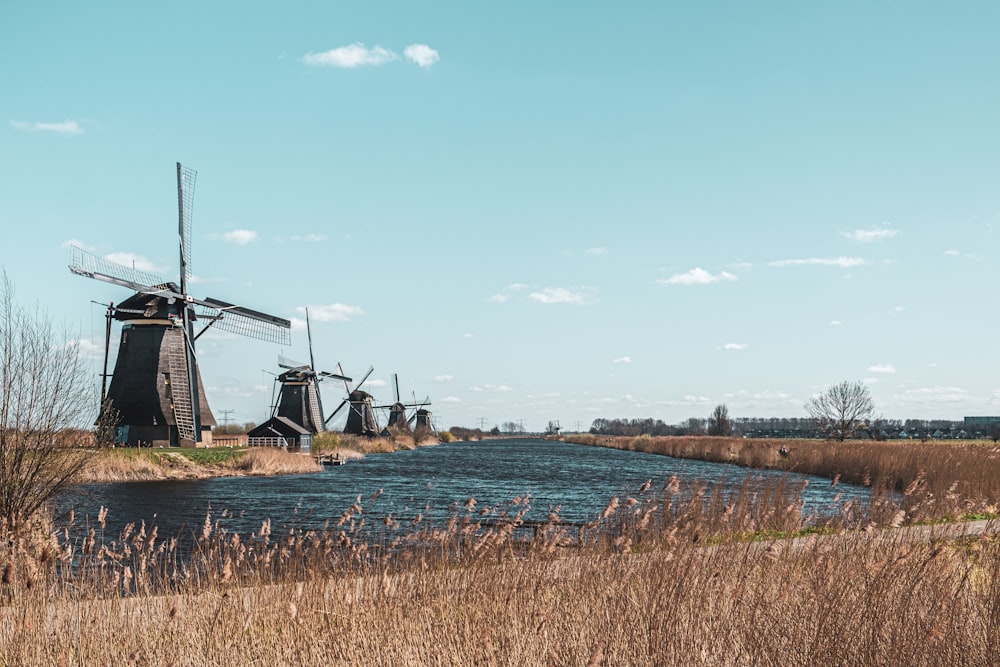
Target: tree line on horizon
[(775, 427)]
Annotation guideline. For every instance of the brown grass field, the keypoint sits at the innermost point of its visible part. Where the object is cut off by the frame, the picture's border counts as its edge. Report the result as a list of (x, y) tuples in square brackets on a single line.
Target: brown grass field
[(678, 575)]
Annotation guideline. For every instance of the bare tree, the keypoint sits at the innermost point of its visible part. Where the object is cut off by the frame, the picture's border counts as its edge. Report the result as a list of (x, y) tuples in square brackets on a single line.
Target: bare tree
[(842, 410), (43, 396), (718, 421)]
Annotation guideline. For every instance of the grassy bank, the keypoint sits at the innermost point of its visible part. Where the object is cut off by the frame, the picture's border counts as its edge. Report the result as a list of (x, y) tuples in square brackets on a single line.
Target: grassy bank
[(937, 480), (659, 579), (678, 574), (128, 464)]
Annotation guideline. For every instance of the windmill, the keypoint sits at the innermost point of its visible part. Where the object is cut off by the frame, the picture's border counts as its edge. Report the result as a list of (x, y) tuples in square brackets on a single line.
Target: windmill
[(361, 417), (299, 398), (398, 419), (156, 389)]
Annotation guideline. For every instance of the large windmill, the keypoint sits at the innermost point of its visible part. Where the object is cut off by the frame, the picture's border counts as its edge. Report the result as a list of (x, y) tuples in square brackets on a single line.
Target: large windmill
[(361, 416), (399, 417), (156, 392), (299, 397)]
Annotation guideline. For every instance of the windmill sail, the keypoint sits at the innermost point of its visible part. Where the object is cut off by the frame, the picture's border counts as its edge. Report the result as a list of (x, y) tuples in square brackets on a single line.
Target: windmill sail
[(156, 385)]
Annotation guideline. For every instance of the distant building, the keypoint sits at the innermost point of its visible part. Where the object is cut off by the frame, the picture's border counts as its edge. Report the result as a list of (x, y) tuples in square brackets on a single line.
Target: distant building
[(980, 423), (281, 432)]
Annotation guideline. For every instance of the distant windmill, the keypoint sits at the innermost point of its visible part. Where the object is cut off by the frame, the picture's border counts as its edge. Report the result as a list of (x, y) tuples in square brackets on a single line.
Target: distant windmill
[(299, 399), (361, 417), (398, 419), (156, 390)]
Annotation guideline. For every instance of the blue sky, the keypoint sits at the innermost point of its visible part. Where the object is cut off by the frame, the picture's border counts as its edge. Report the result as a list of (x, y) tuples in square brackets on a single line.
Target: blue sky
[(531, 211)]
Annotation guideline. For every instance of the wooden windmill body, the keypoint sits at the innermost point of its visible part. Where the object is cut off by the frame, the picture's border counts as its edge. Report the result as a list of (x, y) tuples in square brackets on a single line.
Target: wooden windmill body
[(157, 397), (361, 415), (299, 399), (401, 415)]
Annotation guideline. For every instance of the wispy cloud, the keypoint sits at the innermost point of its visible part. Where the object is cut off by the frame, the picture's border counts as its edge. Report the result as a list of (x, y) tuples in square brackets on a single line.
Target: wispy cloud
[(501, 388), (87, 348), (596, 252), (563, 295), (933, 395), (351, 56), (767, 399), (78, 243), (421, 54), (697, 276), (449, 399), (236, 236), (835, 323), (310, 238), (444, 378), (622, 360), (331, 312), (882, 368), (137, 262), (546, 295), (841, 262), (507, 293), (735, 346), (68, 127), (871, 234)]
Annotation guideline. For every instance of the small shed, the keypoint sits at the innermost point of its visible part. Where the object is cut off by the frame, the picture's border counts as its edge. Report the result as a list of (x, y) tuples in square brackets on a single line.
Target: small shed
[(281, 432)]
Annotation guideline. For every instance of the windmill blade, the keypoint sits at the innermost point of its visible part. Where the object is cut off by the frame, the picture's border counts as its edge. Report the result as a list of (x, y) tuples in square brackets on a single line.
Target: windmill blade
[(334, 376), (285, 362), (334, 413), (82, 263), (245, 321), (340, 371), (370, 371), (185, 212), (395, 379), (309, 333)]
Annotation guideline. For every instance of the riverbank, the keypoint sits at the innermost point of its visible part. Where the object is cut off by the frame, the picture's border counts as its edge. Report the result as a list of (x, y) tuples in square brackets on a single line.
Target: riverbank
[(134, 465), (937, 480)]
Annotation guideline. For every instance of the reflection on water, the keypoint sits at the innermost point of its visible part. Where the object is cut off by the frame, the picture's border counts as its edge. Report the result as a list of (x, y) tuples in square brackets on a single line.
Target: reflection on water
[(579, 480)]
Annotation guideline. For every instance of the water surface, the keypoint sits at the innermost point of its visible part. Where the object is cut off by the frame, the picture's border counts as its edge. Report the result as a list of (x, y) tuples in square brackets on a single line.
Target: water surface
[(577, 479)]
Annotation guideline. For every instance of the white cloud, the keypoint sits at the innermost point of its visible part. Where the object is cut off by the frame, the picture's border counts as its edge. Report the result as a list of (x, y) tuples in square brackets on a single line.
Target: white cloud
[(331, 312), (68, 127), (597, 251), (562, 295), (87, 348), (351, 56), (137, 262), (421, 54), (493, 387), (697, 276), (735, 346), (777, 401), (78, 243), (835, 323), (870, 235), (882, 368), (842, 262), (622, 360), (933, 395), (506, 294), (444, 378), (467, 335), (239, 236), (952, 253), (310, 238), (449, 399), (376, 383)]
